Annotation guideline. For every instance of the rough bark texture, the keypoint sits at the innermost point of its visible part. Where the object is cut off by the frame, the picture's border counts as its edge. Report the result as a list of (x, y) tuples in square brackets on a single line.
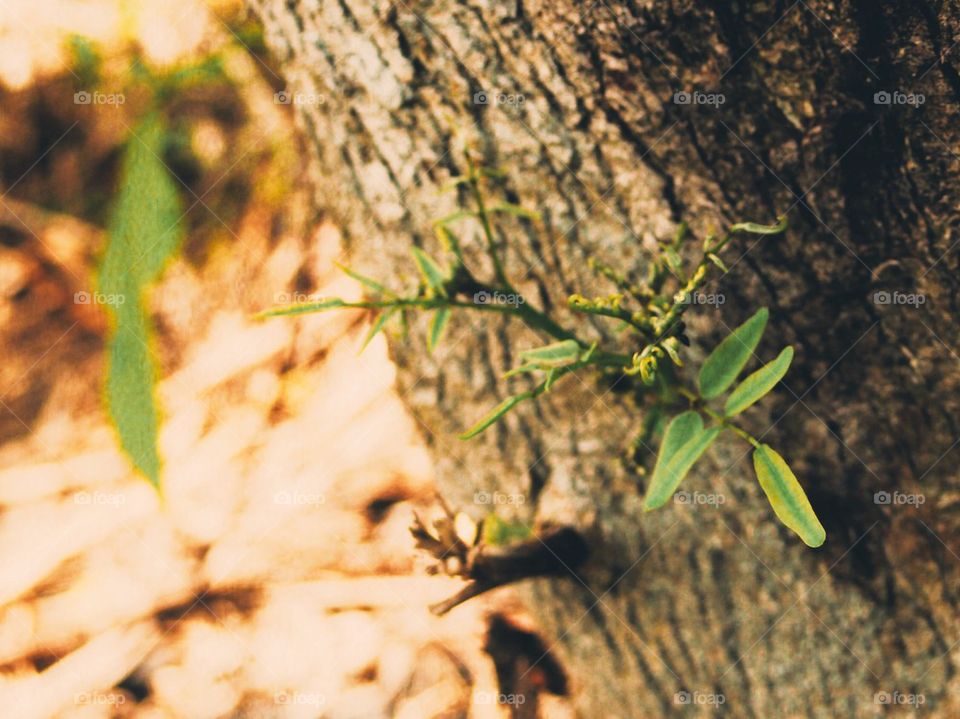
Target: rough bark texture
[(709, 600)]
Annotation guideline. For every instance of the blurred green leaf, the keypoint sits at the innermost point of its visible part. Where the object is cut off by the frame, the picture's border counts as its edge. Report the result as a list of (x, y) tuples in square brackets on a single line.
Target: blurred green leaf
[(495, 414), (516, 210), (786, 496), (378, 325), (430, 270), (304, 308), (144, 232), (726, 361), (437, 325), (370, 284), (758, 384)]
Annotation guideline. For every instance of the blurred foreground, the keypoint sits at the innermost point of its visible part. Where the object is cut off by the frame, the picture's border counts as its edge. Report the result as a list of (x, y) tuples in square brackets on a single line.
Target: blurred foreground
[(276, 576)]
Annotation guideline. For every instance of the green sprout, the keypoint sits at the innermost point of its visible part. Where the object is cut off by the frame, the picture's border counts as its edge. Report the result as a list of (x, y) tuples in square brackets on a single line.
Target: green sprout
[(649, 313)]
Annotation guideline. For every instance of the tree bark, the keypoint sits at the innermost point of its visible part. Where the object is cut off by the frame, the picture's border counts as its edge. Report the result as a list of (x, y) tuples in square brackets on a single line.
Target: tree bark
[(709, 600)]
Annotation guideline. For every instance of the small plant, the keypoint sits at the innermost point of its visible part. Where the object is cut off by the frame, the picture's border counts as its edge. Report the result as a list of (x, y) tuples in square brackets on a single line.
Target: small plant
[(650, 315)]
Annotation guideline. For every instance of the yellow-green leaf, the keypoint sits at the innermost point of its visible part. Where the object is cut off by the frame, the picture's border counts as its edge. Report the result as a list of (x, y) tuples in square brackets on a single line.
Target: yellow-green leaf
[(683, 443), (726, 361), (557, 354), (377, 326), (437, 326), (363, 280), (432, 274), (303, 308), (755, 386), (786, 496), (754, 228)]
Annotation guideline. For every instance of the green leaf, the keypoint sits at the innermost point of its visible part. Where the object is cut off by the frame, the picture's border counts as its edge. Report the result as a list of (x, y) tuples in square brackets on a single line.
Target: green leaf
[(683, 443), (453, 217), (496, 413), (715, 259), (786, 496), (437, 326), (754, 228), (449, 242), (144, 231), (558, 354), (432, 274), (304, 308), (551, 378), (130, 397), (515, 210), (758, 384), (382, 319), (363, 280), (726, 361)]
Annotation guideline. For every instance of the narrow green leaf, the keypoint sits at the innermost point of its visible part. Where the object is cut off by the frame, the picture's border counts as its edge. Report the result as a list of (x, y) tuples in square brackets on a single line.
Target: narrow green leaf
[(432, 274), (437, 325), (522, 369), (754, 228), (453, 217), (449, 242), (551, 378), (786, 496), (726, 361), (496, 413), (378, 325), (363, 280), (558, 354), (758, 384), (515, 210), (303, 308), (683, 444), (715, 259), (130, 392), (145, 230)]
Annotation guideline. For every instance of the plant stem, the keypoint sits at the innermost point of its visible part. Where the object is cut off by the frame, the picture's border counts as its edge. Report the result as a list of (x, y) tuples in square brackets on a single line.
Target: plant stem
[(487, 228)]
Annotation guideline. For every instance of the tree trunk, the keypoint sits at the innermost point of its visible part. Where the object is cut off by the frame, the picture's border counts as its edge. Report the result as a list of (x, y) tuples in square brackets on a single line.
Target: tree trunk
[(711, 600)]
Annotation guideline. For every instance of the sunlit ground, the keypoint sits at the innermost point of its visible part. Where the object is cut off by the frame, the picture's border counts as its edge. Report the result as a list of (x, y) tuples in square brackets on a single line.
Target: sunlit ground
[(276, 577)]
